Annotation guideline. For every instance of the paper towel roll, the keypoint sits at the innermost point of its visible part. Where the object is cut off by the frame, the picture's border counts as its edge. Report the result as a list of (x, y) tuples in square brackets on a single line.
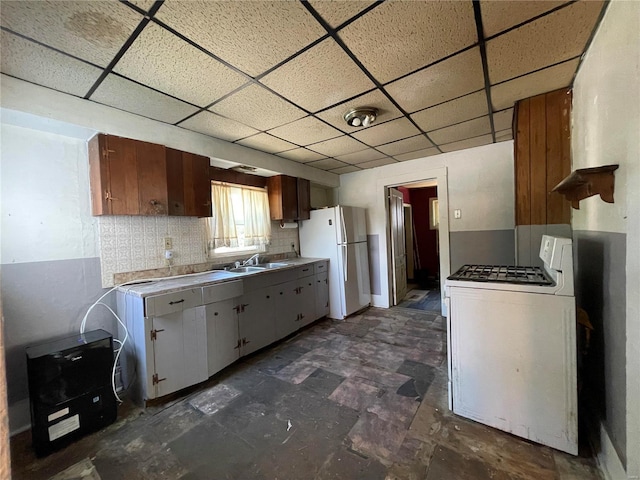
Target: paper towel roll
[(288, 225)]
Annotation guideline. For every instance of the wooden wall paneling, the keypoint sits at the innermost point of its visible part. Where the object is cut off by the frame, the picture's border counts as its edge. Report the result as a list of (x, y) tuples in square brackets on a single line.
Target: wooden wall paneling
[(152, 178), (554, 157), (537, 151), (565, 125), (123, 176), (522, 167), (175, 182)]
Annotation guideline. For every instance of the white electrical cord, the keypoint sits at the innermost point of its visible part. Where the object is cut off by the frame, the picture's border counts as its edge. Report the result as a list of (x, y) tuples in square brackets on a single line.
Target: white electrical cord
[(122, 343)]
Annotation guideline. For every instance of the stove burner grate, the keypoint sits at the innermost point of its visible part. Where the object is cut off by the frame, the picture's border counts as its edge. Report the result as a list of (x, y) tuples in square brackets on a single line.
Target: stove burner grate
[(503, 274)]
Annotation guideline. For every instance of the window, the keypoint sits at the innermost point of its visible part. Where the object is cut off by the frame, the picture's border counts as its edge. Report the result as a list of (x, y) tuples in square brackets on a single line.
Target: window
[(240, 220)]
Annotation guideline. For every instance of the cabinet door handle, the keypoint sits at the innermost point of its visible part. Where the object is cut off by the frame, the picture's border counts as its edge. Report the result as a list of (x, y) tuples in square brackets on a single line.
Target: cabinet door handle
[(268, 296), (215, 314), (177, 301)]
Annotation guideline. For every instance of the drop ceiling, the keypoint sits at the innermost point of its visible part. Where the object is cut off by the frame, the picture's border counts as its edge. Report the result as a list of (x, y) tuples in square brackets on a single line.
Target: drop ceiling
[(279, 76)]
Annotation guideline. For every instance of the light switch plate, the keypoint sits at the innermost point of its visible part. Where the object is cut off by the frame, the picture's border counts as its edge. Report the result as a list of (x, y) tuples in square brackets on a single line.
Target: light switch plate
[(457, 213)]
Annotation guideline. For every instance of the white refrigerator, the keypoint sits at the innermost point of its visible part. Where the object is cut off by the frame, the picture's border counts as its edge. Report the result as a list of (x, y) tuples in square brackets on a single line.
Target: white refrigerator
[(340, 234)]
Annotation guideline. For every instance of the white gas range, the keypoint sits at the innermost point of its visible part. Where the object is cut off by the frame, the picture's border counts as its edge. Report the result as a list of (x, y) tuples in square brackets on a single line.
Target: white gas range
[(512, 346)]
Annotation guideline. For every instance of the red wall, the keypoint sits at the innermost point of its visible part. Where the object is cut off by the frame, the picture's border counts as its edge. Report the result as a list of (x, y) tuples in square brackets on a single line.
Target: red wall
[(425, 237), (406, 198)]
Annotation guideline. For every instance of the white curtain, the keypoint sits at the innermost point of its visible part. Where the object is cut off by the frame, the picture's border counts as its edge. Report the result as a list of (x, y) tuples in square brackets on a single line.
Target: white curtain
[(221, 226), (257, 222)]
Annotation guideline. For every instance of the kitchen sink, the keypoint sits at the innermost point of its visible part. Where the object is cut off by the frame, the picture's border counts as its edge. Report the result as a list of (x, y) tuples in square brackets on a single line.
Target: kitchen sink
[(246, 269), (273, 265)]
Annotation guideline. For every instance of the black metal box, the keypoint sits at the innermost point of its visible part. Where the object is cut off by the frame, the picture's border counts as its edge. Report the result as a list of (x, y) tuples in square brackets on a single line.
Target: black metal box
[(70, 388)]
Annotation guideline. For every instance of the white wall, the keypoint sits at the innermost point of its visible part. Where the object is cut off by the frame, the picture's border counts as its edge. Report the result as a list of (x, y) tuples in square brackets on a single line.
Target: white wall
[(480, 182), (606, 126)]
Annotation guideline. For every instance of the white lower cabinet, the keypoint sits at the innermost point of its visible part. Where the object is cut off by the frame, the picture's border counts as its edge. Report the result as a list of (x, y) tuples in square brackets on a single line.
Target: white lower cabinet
[(179, 351), (322, 295), (257, 320), (223, 343), (182, 338)]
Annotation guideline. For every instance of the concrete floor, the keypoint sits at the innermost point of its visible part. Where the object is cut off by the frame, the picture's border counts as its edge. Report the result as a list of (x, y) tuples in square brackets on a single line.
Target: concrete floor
[(365, 398)]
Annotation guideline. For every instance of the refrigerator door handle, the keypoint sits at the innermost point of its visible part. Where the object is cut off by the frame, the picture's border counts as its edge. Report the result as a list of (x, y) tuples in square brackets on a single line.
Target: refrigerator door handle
[(344, 227), (345, 258)]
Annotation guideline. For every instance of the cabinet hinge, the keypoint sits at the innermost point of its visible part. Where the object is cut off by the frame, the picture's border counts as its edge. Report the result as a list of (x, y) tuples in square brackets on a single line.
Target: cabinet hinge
[(155, 380), (245, 341), (238, 344)]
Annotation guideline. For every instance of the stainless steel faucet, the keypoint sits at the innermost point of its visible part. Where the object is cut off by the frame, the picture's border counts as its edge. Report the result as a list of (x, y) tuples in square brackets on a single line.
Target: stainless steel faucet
[(252, 260)]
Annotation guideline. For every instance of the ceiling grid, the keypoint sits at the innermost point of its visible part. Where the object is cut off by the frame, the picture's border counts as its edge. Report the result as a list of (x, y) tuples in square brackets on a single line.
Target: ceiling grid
[(279, 76)]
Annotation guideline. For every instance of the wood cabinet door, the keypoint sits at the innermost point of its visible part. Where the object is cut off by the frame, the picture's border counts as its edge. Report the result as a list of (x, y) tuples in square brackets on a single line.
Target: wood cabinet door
[(283, 197), (322, 294), (197, 185), (175, 182), (304, 199), (168, 354), (122, 181), (306, 300), (152, 178)]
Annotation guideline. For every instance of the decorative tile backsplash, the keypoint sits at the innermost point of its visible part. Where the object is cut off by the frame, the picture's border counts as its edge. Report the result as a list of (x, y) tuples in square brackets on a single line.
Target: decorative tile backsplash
[(134, 243)]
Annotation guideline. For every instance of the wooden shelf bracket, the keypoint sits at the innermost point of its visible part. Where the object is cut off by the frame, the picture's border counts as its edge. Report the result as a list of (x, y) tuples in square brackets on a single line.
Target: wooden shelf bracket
[(586, 182)]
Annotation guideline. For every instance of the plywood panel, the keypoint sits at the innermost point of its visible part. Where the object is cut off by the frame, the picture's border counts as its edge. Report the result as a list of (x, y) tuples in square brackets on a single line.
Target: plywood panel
[(555, 156), (537, 132), (522, 167)]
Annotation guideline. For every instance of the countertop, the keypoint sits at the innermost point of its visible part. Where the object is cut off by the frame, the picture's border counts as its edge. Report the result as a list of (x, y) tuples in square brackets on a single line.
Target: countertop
[(196, 280)]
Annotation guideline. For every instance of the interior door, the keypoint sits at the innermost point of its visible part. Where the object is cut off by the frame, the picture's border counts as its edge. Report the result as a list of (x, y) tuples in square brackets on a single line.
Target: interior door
[(408, 232), (398, 253)]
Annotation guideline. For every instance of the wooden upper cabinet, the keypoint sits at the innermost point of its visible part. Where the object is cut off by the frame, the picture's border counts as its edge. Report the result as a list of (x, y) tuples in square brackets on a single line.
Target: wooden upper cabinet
[(189, 184), (289, 198), (131, 177), (128, 177), (542, 157)]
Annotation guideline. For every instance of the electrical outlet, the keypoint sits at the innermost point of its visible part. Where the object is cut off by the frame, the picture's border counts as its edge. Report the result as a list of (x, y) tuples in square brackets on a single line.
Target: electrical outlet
[(293, 247), (168, 243)]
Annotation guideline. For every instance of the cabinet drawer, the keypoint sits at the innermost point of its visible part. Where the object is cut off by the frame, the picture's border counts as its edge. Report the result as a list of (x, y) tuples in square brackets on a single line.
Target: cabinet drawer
[(221, 291), (305, 271), (158, 305), (321, 267)]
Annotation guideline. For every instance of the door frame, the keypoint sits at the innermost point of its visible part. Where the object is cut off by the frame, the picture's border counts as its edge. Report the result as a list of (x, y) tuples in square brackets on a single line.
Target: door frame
[(439, 174), (396, 296)]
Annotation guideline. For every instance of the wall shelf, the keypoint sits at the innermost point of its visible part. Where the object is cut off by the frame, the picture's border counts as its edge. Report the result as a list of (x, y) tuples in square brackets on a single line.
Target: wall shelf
[(586, 182)]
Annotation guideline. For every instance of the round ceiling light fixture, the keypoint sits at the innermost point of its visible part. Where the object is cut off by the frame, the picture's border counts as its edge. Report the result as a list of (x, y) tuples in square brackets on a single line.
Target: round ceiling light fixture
[(361, 117)]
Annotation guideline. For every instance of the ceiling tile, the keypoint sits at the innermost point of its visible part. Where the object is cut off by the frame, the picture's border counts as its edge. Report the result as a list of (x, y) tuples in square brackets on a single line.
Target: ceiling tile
[(551, 39), (93, 31), (267, 143), (468, 143), (248, 35), (337, 146), (301, 155), (306, 131), (425, 152), (448, 79), (498, 15), (327, 164), (504, 135), (396, 38), (387, 132), (460, 131), (31, 62), (129, 96), (503, 120), (258, 107), (143, 4), (347, 169), (165, 62), (320, 77), (336, 12), (506, 94), (375, 99), (407, 145), (217, 126), (377, 163), (361, 156), (453, 111)]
